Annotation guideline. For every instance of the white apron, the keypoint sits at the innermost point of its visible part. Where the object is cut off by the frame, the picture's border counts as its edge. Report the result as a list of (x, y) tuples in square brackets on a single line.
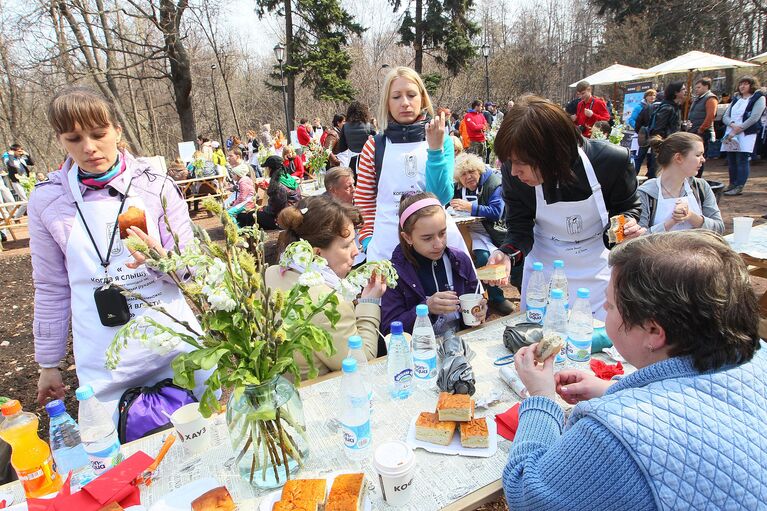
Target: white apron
[(138, 365), (665, 207), (480, 239), (742, 143), (572, 232), (403, 170)]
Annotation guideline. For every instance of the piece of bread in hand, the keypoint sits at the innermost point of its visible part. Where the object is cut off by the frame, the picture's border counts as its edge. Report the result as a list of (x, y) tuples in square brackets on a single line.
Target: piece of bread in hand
[(474, 434), (306, 490), (217, 499), (615, 231), (491, 272), (133, 217), (428, 428), (455, 407), (347, 493), (547, 347)]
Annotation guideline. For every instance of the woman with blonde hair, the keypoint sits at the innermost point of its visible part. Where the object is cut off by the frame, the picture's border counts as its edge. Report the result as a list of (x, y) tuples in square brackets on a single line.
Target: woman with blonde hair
[(412, 153), (77, 252)]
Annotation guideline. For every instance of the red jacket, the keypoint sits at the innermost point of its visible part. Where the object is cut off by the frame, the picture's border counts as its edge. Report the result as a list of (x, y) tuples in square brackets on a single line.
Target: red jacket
[(475, 126), (596, 105), (303, 135), (295, 166)]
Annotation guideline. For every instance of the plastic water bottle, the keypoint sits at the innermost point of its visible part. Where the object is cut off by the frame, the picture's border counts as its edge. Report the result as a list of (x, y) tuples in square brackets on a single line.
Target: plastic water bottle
[(535, 300), (97, 432), (580, 328), (355, 352), (68, 451), (399, 364), (424, 347), (558, 280), (355, 415), (555, 322)]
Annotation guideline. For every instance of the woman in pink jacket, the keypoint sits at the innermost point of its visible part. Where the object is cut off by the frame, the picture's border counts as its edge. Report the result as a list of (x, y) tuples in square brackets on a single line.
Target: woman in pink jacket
[(78, 252)]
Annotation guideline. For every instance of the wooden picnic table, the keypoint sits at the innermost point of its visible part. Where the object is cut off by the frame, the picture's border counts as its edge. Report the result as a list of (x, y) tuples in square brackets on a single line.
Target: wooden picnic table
[(754, 254), (215, 186), (464, 224), (7, 221)]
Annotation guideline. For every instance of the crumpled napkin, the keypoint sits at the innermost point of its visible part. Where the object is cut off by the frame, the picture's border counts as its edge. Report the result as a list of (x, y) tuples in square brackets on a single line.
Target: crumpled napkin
[(508, 422), (605, 371)]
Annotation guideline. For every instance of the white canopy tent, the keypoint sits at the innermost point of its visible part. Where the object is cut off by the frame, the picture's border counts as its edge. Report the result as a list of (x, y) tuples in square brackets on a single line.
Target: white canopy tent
[(760, 59), (613, 74)]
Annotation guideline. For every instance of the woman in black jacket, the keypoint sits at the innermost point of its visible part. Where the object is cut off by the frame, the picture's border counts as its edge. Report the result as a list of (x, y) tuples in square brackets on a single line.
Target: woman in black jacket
[(667, 117), (560, 192), (354, 134)]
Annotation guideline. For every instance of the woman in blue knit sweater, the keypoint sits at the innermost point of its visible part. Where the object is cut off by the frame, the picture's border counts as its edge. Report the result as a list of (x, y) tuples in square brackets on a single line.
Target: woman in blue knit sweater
[(685, 431)]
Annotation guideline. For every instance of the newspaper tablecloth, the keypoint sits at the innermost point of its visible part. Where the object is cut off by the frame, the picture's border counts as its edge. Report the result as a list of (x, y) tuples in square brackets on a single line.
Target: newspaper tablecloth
[(757, 243)]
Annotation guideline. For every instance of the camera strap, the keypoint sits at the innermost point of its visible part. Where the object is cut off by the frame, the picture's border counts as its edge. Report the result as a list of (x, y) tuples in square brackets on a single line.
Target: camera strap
[(105, 262)]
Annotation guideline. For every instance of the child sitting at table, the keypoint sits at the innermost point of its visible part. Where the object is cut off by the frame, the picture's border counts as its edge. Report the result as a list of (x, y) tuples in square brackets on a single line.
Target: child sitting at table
[(429, 271)]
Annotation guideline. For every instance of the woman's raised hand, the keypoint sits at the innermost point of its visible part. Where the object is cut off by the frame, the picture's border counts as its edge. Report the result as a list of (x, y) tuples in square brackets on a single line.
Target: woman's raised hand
[(435, 132), (138, 257)]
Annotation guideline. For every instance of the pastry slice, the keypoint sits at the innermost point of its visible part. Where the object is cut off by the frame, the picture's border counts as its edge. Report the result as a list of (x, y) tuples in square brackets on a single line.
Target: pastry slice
[(549, 346), (615, 232), (347, 493), (455, 407), (217, 499), (305, 490), (428, 428), (474, 434), (491, 272), (299, 505)]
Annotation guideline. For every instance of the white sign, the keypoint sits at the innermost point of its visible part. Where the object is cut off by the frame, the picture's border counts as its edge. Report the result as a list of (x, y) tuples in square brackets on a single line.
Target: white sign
[(186, 151)]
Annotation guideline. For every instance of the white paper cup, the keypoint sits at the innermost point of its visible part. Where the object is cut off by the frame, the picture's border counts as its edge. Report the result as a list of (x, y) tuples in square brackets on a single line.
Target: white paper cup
[(741, 227), (192, 428), (394, 463), (470, 308)]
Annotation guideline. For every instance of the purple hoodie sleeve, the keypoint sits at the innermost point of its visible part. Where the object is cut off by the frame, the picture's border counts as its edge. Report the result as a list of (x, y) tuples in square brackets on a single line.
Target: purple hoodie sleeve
[(52, 295)]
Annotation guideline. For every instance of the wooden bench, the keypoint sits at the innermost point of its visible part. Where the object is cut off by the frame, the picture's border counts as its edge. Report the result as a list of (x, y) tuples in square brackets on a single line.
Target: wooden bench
[(7, 220), (212, 186)]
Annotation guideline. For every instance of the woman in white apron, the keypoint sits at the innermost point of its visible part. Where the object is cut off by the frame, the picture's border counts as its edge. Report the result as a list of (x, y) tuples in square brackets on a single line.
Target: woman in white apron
[(478, 193), (560, 191), (742, 121), (676, 199), (76, 250), (412, 154)]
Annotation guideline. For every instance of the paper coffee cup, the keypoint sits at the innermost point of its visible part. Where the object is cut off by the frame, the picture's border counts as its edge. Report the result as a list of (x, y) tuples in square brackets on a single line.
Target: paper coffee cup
[(741, 227), (192, 428), (471, 310), (394, 463)]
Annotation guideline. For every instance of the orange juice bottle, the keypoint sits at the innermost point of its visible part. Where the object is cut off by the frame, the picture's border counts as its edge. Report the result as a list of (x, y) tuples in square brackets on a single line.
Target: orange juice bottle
[(30, 456)]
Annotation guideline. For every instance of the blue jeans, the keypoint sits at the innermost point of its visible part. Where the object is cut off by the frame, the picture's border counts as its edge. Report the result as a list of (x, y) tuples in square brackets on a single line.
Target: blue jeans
[(643, 151), (495, 293), (739, 167)]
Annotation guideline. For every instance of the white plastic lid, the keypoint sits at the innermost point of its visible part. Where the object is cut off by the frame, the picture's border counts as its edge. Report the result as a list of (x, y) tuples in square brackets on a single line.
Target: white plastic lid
[(393, 458)]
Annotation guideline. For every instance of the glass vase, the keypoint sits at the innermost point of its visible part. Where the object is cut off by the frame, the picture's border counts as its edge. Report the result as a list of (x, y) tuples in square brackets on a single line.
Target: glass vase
[(268, 432)]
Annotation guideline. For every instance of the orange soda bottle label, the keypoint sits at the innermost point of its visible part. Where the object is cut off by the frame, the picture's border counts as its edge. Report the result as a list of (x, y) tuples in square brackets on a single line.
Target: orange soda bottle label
[(40, 480)]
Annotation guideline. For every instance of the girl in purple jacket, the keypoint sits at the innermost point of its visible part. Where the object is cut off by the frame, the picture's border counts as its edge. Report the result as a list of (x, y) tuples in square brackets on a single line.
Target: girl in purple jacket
[(429, 271)]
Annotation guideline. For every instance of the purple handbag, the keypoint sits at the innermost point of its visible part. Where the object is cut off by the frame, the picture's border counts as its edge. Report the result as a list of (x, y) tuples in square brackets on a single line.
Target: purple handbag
[(141, 409)]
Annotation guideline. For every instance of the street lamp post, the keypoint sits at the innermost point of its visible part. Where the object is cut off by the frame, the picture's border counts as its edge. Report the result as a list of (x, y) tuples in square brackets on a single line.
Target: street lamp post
[(215, 104), (486, 54), (279, 54), (378, 77)]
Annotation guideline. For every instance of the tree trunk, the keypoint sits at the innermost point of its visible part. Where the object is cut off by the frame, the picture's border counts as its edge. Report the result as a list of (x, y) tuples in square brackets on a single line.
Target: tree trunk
[(180, 68), (290, 78), (418, 43)]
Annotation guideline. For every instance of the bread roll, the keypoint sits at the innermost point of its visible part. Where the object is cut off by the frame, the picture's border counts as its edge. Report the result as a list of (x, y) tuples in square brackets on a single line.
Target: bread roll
[(217, 499), (549, 346), (455, 407), (615, 232), (133, 217), (309, 490), (474, 433), (347, 493), (301, 505), (428, 428)]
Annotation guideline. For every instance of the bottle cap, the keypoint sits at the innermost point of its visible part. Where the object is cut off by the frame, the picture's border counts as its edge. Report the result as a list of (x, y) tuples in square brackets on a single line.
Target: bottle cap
[(55, 408), (583, 292), (11, 407), (422, 310), (537, 266), (349, 365), (557, 294), (84, 392), (558, 263), (396, 328), (355, 342)]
